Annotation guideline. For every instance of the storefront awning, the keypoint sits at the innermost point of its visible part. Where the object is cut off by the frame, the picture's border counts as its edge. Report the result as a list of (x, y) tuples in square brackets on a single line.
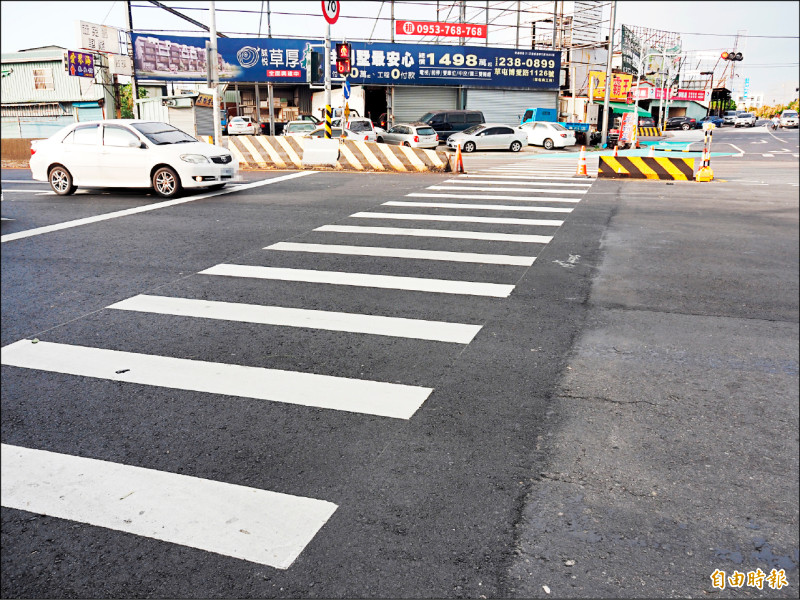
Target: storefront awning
[(627, 108)]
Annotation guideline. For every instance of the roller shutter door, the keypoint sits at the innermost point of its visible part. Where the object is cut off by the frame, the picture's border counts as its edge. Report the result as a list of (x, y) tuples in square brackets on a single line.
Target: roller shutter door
[(204, 119), (411, 102), (507, 106), (183, 119)]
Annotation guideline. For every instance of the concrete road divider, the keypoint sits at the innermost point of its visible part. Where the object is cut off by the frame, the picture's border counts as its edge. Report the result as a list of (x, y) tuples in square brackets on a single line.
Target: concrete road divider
[(646, 167), (286, 152), (649, 131)]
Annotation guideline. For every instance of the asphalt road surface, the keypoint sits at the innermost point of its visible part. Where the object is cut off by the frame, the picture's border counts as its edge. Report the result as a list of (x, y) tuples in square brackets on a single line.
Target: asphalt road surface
[(513, 383)]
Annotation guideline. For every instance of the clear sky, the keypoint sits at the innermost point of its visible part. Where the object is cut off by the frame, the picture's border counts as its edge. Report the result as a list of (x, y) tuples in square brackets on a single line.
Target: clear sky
[(770, 63)]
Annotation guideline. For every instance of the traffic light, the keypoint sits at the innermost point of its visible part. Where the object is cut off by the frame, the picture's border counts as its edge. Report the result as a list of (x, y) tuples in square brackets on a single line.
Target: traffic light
[(343, 58), (731, 56)]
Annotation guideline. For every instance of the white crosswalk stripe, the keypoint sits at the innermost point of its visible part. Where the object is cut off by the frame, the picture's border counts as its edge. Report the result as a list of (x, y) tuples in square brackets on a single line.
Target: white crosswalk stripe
[(470, 257), (392, 282), (307, 389), (260, 526), (296, 317), (439, 233), (464, 206), (458, 219)]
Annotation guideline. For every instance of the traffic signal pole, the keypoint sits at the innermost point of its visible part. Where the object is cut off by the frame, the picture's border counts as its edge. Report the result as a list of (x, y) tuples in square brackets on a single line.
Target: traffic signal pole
[(327, 63), (213, 72)]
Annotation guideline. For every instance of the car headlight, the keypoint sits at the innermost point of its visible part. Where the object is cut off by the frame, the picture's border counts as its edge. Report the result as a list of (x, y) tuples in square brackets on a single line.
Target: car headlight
[(194, 158)]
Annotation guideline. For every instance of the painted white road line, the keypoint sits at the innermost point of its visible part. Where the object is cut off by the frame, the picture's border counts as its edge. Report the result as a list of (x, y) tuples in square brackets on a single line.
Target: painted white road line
[(468, 257), (492, 197), (479, 206), (260, 526), (741, 152), (504, 189), (767, 155), (527, 177), (439, 233), (391, 282), (8, 191), (487, 182), (306, 389), (140, 209), (439, 331), (458, 219)]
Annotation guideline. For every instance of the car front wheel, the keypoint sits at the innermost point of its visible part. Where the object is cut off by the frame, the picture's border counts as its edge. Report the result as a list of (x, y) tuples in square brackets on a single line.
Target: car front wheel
[(61, 181), (166, 183), (469, 147), (548, 144), (515, 146)]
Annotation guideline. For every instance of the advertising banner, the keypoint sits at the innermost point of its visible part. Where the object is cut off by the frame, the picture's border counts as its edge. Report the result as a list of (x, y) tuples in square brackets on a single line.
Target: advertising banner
[(685, 95), (79, 64), (464, 30), (620, 86), (286, 61), (631, 51)]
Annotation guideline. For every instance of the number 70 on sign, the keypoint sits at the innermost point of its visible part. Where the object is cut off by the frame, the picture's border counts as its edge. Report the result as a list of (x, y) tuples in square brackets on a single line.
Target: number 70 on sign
[(330, 10)]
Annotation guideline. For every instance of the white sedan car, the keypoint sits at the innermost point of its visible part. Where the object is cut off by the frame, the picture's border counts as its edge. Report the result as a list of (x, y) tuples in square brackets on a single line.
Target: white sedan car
[(298, 129), (129, 153), (549, 135), (488, 136), (242, 126)]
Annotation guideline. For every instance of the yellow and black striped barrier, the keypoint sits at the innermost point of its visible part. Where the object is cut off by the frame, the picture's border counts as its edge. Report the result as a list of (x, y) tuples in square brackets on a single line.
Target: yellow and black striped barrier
[(286, 152), (646, 167), (650, 131)]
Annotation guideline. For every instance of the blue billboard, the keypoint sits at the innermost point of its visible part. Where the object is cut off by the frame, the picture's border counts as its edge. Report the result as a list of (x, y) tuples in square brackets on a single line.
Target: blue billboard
[(278, 60)]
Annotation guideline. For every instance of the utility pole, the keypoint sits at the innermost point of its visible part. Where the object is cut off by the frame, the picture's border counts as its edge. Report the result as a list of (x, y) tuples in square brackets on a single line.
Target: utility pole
[(604, 135), (215, 78), (134, 85)]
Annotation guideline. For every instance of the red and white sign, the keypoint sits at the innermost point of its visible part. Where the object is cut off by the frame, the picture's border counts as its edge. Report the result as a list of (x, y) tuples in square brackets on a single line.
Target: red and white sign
[(330, 10), (650, 93), (464, 30)]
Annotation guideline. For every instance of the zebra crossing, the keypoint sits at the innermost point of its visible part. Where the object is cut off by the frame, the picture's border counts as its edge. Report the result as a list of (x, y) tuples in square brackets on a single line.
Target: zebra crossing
[(458, 226)]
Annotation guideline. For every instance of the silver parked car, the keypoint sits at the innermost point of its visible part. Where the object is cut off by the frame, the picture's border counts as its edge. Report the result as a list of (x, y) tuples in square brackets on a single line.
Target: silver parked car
[(489, 136), (415, 135)]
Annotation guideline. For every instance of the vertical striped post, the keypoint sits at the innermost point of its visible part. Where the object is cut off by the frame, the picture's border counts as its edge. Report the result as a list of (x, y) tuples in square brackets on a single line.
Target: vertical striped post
[(328, 122), (705, 173)]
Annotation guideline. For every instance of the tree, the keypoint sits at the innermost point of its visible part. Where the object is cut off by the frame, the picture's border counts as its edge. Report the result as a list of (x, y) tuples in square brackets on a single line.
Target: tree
[(126, 100)]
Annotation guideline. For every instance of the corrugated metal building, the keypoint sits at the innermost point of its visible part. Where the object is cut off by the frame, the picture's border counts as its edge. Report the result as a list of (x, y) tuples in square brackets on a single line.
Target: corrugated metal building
[(40, 97)]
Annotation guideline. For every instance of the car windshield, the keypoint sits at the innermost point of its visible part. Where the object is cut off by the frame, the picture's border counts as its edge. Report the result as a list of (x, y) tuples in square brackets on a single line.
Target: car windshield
[(425, 131), (360, 126), (295, 127), (473, 129), (163, 133), (426, 117), (746, 115), (789, 113)]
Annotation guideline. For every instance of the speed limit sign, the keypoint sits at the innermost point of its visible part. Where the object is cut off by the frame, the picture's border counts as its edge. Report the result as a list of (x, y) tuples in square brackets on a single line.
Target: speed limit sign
[(330, 10)]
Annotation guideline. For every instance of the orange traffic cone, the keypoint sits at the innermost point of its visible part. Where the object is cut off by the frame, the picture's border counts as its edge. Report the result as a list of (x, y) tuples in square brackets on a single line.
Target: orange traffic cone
[(581, 171), (459, 160), (615, 151), (652, 151)]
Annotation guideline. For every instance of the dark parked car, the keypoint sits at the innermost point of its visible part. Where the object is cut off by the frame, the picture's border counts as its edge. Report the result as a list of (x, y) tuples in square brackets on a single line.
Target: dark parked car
[(646, 122), (684, 123), (717, 121), (448, 122)]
